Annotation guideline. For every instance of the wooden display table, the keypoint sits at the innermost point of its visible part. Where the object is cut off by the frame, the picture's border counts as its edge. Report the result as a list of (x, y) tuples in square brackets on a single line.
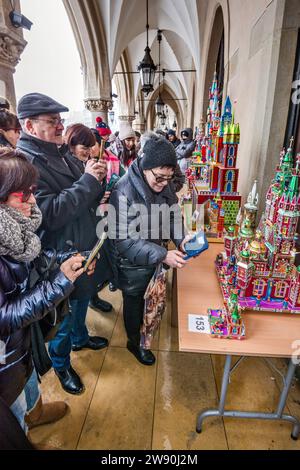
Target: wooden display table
[(267, 334)]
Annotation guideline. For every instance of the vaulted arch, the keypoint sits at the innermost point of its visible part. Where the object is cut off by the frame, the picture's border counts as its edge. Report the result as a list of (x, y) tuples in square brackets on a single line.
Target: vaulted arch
[(90, 38)]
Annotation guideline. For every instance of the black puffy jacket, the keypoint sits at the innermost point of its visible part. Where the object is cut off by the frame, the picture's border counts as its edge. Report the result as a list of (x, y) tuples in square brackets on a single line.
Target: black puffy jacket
[(68, 201), (148, 249), (19, 307), (186, 147)]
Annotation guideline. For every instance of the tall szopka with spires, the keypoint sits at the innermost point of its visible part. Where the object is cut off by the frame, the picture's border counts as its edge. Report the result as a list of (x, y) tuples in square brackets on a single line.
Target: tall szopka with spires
[(213, 174)]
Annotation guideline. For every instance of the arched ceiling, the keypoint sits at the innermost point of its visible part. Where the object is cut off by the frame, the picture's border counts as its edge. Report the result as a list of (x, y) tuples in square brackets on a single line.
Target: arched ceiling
[(171, 59), (119, 27), (124, 20)]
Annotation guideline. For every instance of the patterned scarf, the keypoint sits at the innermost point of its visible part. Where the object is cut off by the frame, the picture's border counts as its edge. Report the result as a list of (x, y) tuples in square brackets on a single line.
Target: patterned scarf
[(17, 237)]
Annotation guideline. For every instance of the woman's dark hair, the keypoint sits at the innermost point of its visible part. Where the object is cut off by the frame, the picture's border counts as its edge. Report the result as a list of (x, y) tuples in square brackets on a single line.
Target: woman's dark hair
[(96, 135), (126, 155), (16, 173), (79, 134), (8, 120), (4, 103)]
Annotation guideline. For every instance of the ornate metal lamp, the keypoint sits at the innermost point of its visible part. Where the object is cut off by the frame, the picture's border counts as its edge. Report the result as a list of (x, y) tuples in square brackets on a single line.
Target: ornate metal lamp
[(146, 67)]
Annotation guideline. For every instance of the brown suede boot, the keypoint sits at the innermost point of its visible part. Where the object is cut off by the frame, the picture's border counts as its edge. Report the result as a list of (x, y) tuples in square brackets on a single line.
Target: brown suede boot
[(45, 413)]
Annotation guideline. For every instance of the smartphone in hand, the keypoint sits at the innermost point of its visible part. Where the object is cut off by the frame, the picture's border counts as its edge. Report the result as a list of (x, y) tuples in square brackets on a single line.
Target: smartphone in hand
[(196, 245)]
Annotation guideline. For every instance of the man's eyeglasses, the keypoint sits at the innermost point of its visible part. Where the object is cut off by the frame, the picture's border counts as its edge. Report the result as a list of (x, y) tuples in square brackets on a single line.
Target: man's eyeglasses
[(161, 179), (25, 195), (55, 122)]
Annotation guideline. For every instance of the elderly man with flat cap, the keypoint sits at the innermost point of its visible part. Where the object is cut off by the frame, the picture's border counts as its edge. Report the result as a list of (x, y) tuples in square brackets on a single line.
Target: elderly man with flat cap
[(68, 200)]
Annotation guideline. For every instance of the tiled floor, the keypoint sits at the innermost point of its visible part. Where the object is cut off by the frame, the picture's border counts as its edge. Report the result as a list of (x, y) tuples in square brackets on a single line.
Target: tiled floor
[(130, 406)]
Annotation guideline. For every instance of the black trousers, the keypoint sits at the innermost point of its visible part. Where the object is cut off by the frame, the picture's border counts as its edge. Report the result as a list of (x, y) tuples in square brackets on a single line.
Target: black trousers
[(133, 309)]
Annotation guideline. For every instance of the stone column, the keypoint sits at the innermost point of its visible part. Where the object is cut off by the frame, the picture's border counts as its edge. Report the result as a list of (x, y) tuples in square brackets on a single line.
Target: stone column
[(98, 107), (126, 118), (12, 45), (139, 124)]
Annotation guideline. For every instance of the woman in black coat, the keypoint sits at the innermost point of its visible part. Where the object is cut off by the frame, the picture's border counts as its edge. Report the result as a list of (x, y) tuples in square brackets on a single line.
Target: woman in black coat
[(144, 189), (19, 305)]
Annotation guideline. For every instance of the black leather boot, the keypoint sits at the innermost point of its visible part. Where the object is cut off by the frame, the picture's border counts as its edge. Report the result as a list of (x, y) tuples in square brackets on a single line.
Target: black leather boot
[(94, 342), (70, 381), (100, 304), (144, 356)]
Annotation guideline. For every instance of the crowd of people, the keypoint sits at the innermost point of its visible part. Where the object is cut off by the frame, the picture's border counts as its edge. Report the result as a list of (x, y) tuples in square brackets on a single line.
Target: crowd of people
[(53, 184)]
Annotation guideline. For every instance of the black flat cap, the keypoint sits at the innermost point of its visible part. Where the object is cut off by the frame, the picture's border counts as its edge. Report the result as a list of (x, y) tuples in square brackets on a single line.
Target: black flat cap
[(34, 104)]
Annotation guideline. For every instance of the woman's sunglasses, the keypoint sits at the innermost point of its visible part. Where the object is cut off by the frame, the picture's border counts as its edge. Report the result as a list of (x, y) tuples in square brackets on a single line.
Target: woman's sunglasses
[(25, 195), (161, 179)]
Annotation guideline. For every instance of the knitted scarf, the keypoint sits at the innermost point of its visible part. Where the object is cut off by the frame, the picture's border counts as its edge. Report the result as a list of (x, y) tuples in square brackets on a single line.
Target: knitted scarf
[(17, 237)]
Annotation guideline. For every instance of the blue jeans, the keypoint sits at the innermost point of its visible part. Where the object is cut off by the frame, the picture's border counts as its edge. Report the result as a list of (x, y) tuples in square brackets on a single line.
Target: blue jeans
[(19, 409), (32, 391), (27, 400), (72, 331)]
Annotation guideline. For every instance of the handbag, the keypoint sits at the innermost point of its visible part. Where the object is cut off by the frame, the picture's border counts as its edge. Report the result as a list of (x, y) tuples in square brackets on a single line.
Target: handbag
[(155, 305), (43, 269), (133, 279)]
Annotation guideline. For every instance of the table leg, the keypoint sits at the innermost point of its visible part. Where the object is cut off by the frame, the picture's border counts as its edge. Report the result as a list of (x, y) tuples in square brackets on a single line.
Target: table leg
[(220, 411), (174, 301), (253, 415), (282, 400)]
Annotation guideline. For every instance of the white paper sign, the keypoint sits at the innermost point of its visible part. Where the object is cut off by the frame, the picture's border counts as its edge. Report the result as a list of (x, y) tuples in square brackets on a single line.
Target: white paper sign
[(198, 323)]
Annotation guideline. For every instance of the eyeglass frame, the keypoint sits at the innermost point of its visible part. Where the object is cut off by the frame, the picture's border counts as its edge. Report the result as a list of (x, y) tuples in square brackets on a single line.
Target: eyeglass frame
[(161, 179), (16, 129), (25, 195), (51, 121)]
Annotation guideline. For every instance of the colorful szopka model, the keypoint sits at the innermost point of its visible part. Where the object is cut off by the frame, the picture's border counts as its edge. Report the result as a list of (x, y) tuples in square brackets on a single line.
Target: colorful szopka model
[(213, 175), (263, 261), (227, 323)]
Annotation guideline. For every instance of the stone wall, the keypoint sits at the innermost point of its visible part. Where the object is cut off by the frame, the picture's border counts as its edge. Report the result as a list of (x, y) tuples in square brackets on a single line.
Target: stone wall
[(260, 44), (11, 46)]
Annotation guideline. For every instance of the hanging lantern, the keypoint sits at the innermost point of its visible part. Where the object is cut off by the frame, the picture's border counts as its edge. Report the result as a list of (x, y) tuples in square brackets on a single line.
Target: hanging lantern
[(159, 105), (146, 67), (147, 72), (163, 118)]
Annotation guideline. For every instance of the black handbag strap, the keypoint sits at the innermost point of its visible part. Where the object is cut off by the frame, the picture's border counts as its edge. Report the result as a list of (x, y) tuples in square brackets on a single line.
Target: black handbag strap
[(41, 359)]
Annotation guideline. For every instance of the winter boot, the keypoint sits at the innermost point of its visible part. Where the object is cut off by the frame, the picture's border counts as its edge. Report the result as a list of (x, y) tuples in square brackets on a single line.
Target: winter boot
[(45, 413)]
